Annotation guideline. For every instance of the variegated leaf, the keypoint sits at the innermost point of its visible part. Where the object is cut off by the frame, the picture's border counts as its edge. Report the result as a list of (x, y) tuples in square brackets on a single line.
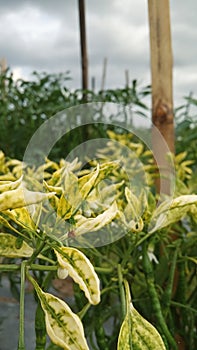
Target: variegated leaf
[(136, 333), (104, 195), (8, 247), (21, 197), (171, 211), (22, 217), (84, 225), (63, 326), (11, 185), (87, 182), (81, 270)]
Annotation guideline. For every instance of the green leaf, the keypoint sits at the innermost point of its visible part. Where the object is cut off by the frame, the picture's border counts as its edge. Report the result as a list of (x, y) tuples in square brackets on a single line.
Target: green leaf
[(136, 333), (81, 270), (63, 326), (8, 247)]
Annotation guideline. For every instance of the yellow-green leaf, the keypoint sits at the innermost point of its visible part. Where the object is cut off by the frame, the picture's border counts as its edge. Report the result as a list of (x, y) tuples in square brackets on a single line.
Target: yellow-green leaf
[(171, 211), (84, 225), (22, 217), (136, 333), (21, 197), (57, 189), (125, 335), (87, 182), (64, 208), (11, 185), (63, 326), (8, 247), (81, 270)]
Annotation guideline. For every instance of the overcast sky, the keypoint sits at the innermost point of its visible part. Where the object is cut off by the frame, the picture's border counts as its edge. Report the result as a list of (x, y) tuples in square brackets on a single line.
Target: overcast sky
[(43, 35)]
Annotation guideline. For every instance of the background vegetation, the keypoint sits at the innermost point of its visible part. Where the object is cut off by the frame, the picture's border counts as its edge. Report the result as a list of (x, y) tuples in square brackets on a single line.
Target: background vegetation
[(24, 105)]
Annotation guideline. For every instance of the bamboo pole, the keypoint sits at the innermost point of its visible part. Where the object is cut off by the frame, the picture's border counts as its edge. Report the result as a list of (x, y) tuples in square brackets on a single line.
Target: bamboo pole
[(161, 72), (83, 43)]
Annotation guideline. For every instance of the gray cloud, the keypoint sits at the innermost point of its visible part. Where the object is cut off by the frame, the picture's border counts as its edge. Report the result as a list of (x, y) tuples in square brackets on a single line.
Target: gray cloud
[(44, 35)]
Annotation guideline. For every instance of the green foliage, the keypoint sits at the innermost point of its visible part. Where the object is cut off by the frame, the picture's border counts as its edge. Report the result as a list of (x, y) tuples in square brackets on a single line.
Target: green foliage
[(186, 129), (25, 105), (155, 251), (151, 250)]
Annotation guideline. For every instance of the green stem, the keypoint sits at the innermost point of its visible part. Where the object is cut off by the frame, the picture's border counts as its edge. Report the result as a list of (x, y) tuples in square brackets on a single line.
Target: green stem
[(168, 290), (9, 267), (188, 308), (14, 267), (40, 328), (155, 302), (82, 313), (122, 292), (105, 270), (36, 252), (43, 267), (21, 343)]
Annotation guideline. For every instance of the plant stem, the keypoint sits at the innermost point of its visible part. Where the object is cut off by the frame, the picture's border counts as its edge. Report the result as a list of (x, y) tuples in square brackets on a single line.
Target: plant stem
[(105, 270), (36, 252), (21, 343), (155, 302), (168, 290), (43, 267), (122, 292), (14, 267), (9, 267)]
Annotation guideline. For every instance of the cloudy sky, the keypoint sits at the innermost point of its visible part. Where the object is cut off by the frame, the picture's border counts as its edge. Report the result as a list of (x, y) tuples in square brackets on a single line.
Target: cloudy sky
[(43, 35)]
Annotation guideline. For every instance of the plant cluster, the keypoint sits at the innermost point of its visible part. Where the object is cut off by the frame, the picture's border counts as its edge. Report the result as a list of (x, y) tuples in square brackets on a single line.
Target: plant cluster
[(132, 260)]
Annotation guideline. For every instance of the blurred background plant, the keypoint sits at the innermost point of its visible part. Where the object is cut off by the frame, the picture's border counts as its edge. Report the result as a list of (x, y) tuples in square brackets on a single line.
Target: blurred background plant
[(25, 105)]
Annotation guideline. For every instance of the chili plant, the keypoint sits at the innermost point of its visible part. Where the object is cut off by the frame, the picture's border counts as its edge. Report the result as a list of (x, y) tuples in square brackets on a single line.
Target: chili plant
[(48, 226)]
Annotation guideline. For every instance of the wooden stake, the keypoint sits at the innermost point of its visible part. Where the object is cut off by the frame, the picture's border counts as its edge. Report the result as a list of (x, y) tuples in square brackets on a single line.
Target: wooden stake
[(161, 71), (103, 80), (126, 78), (3, 64)]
